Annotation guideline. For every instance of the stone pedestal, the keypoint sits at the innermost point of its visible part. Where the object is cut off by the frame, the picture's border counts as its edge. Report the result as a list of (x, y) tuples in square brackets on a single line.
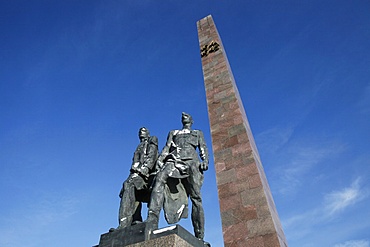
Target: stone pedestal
[(135, 236), (248, 213)]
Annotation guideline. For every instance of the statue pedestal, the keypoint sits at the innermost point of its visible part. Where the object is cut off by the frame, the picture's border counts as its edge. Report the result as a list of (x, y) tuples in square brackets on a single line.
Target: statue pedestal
[(135, 236)]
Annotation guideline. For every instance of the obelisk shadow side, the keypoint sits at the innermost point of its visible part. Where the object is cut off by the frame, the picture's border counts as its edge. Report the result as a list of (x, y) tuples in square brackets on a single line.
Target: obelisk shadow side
[(248, 213)]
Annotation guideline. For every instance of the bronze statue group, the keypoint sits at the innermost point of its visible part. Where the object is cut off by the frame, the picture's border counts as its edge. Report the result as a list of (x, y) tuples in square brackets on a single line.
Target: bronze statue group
[(166, 180)]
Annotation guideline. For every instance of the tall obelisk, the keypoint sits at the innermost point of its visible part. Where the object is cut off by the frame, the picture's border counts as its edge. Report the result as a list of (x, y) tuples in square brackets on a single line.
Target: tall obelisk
[(248, 213)]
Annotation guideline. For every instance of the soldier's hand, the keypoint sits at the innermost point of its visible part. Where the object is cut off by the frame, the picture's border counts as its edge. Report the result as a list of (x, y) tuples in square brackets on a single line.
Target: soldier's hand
[(159, 164), (132, 170), (144, 170), (203, 166)]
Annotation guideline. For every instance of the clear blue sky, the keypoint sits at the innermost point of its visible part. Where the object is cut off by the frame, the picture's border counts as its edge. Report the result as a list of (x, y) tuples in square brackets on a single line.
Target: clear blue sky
[(79, 78)]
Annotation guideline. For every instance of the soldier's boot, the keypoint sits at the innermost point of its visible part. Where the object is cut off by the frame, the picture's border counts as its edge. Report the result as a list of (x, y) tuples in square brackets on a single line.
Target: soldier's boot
[(200, 235), (125, 222), (152, 220), (151, 224)]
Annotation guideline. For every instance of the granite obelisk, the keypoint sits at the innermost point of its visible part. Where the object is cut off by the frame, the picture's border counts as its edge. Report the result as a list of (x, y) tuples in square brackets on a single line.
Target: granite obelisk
[(248, 212)]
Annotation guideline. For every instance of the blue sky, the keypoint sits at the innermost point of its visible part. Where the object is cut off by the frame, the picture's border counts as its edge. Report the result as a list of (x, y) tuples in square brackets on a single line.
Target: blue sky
[(79, 78)]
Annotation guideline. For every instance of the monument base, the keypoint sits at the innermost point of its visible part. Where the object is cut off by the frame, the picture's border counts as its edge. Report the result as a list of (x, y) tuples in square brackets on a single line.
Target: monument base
[(135, 236)]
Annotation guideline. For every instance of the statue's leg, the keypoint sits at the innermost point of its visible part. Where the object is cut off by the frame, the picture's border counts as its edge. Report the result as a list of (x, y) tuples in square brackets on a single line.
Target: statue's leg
[(137, 215), (197, 212), (127, 204), (156, 199), (193, 185)]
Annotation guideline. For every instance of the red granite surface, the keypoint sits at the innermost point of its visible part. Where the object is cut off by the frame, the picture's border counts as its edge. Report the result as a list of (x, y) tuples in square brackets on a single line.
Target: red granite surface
[(170, 240), (248, 212)]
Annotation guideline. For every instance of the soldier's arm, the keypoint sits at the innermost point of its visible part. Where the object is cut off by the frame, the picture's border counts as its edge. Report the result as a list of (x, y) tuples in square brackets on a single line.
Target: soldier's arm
[(152, 154), (203, 151), (135, 161), (165, 150)]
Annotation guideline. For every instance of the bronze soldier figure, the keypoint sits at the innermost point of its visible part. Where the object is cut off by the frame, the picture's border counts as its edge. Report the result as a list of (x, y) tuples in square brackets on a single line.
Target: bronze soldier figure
[(180, 175), (135, 189)]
